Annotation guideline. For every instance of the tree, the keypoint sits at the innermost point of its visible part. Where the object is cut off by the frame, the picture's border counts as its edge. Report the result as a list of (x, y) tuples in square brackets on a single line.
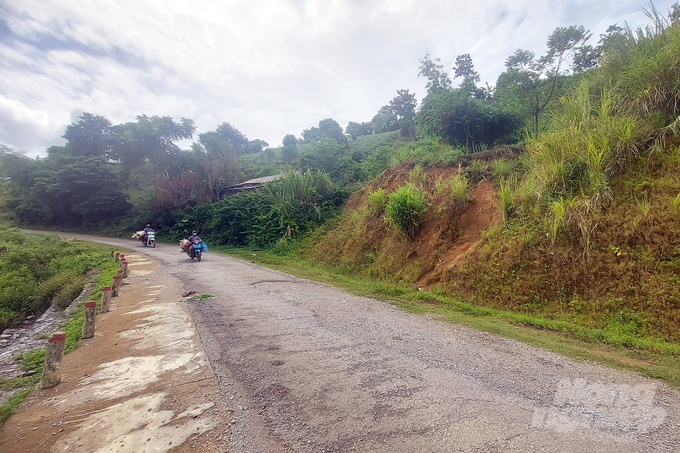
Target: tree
[(433, 71), (149, 138), (465, 68), (404, 107), (311, 135), (330, 157), (461, 120), (215, 168), (466, 115), (533, 81), (611, 43), (289, 140), (236, 139), (586, 57), (331, 129), (187, 189), (16, 167), (355, 130), (91, 136), (70, 191), (674, 13), (328, 128), (467, 109), (257, 145), (289, 153), (216, 152), (398, 114), (385, 120)]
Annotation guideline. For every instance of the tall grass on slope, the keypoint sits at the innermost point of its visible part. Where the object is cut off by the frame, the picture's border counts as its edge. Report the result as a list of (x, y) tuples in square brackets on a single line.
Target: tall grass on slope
[(576, 160), (458, 186), (377, 201), (406, 208), (296, 187), (644, 69)]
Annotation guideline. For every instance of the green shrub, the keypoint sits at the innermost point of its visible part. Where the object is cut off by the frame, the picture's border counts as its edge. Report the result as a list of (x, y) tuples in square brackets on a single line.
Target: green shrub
[(502, 168), (69, 292), (477, 171), (33, 360), (406, 208), (297, 202), (377, 201), (55, 285), (506, 201), (458, 185), (36, 269), (417, 175)]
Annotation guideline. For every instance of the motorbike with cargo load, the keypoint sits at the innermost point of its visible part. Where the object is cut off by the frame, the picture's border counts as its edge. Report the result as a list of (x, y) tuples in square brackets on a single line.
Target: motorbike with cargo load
[(148, 239), (194, 249)]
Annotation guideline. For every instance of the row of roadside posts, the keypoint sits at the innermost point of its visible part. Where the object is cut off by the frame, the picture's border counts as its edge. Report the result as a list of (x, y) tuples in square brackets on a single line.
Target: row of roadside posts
[(55, 345)]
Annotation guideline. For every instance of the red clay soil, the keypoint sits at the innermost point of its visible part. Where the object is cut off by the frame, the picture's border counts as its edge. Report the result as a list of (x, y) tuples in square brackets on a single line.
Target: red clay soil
[(478, 216), (366, 242)]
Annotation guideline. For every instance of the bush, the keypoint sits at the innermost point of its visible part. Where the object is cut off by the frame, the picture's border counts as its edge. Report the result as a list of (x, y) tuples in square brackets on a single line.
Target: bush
[(502, 168), (55, 286), (296, 203), (33, 360), (35, 269), (417, 175), (377, 201), (406, 208), (69, 292), (458, 185), (477, 171)]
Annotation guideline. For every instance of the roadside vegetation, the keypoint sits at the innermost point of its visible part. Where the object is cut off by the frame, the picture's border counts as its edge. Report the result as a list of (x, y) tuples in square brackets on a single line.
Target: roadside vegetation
[(37, 271), (544, 207)]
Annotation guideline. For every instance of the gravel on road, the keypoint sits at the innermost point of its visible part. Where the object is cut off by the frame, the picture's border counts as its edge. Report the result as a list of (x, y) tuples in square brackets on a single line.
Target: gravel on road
[(306, 367)]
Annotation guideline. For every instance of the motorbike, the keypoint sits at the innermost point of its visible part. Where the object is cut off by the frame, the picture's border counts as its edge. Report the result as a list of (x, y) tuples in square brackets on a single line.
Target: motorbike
[(150, 240), (195, 251)]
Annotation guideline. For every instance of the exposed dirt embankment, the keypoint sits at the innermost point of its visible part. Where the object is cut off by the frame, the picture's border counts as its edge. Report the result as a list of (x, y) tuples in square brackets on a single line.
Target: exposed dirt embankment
[(368, 243)]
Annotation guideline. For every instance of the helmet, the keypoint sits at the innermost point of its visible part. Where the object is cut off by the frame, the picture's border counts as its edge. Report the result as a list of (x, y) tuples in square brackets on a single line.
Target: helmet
[(193, 233), (148, 225)]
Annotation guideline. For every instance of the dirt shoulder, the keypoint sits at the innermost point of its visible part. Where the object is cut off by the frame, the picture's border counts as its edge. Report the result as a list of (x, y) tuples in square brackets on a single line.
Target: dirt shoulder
[(142, 383)]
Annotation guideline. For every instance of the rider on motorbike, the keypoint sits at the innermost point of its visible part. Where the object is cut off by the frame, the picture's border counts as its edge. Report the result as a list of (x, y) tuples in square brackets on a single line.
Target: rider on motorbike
[(146, 232), (195, 241), (194, 237)]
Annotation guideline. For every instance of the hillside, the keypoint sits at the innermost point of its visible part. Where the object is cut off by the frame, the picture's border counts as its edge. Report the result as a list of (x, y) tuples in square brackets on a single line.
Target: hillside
[(367, 243), (622, 285)]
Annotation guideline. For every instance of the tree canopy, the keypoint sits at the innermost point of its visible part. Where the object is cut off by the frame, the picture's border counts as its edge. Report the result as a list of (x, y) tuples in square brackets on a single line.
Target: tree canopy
[(534, 81)]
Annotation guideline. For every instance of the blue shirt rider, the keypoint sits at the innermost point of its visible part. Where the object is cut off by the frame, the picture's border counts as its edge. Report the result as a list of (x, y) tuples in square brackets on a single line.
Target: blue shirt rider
[(146, 232), (194, 237)]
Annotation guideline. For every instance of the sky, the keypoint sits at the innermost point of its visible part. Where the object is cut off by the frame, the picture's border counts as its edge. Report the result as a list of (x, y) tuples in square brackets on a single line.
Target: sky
[(268, 67)]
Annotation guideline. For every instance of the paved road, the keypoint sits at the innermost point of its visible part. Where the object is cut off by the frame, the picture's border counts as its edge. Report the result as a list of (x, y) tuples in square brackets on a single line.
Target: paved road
[(309, 368)]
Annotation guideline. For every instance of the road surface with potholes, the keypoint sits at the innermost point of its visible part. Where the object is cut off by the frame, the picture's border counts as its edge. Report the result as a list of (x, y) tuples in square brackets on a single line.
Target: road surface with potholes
[(304, 367)]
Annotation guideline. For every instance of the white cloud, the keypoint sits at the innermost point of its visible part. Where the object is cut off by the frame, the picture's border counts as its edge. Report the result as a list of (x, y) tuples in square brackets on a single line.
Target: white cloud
[(269, 67)]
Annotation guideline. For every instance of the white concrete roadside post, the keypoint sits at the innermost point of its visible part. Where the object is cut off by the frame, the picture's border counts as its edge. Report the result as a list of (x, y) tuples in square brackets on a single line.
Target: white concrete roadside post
[(106, 298), (125, 273), (88, 324), (55, 352)]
